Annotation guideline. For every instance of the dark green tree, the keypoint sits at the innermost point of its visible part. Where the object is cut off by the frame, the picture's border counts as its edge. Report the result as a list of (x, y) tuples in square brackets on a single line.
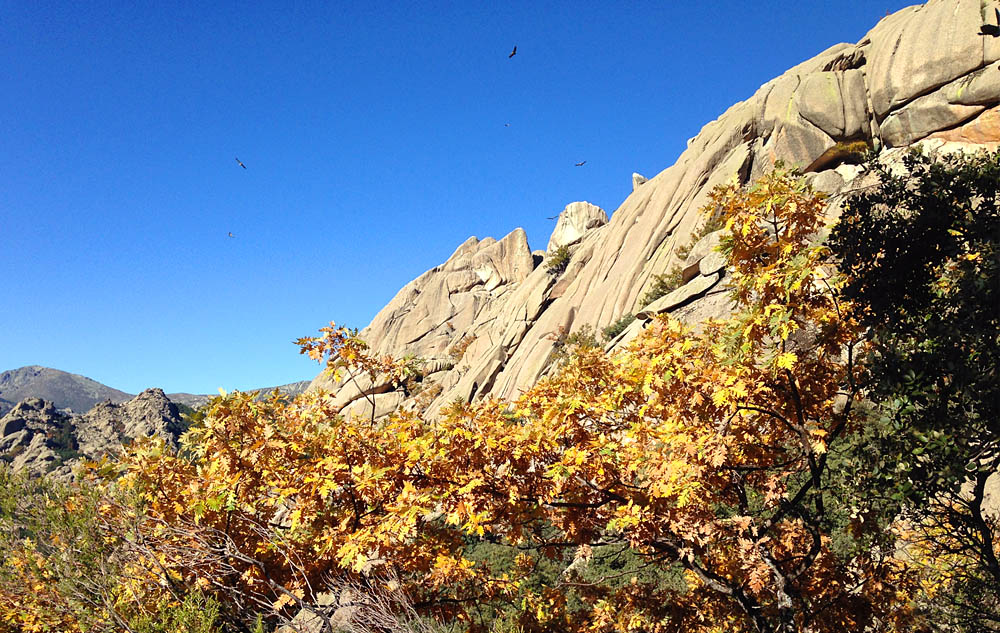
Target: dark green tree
[(921, 251)]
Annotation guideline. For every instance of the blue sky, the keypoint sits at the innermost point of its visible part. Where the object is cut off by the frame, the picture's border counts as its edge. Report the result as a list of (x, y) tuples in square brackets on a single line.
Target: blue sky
[(374, 139)]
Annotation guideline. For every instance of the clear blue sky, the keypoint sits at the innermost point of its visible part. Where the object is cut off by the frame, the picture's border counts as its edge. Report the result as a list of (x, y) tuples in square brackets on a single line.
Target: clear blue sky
[(374, 139)]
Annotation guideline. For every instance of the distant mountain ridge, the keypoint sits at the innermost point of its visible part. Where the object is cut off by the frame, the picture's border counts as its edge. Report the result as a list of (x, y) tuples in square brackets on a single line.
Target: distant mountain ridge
[(79, 394), (63, 389), (196, 400)]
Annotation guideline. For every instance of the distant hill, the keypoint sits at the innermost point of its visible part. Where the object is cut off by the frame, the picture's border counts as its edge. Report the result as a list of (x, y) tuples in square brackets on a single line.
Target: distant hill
[(79, 394), (196, 400), (63, 389)]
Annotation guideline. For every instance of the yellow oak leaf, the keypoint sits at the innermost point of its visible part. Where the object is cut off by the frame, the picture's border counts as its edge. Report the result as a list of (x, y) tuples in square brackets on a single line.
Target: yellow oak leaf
[(786, 360)]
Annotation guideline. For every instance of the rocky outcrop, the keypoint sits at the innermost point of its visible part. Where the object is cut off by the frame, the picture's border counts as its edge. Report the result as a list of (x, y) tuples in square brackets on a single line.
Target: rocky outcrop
[(574, 222), (506, 262), (442, 310), (105, 427), (31, 434), (922, 73), (37, 437), (984, 129)]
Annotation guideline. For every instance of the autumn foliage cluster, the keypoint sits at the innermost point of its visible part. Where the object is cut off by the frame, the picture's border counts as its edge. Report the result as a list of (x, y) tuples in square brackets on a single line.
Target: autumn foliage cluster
[(698, 481)]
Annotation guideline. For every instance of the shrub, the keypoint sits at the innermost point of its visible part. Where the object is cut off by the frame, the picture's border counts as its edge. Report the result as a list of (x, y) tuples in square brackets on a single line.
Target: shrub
[(844, 152), (617, 327), (923, 251), (63, 443), (457, 351), (672, 280), (566, 344), (197, 613), (853, 150), (67, 565), (425, 396), (557, 261), (662, 285)]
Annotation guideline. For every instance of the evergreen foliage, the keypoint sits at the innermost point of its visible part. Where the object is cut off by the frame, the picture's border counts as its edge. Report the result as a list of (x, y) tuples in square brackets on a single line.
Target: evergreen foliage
[(557, 261), (922, 253)]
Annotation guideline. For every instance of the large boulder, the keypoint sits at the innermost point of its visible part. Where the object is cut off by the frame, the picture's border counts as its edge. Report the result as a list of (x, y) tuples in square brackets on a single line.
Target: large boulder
[(574, 221), (835, 102), (32, 432), (508, 261), (921, 48)]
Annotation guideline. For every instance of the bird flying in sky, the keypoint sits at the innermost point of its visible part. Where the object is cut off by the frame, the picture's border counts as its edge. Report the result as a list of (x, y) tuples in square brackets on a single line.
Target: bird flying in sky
[(231, 234), (581, 163), (240, 162), (991, 29), (512, 53)]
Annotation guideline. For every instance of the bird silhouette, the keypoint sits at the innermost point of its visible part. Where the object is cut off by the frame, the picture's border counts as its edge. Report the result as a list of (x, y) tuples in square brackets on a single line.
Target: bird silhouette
[(506, 124), (991, 29), (580, 164), (231, 234), (241, 163), (554, 217), (512, 53)]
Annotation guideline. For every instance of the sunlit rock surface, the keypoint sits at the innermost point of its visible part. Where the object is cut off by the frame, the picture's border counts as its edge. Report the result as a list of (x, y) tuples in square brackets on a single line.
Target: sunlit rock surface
[(923, 73)]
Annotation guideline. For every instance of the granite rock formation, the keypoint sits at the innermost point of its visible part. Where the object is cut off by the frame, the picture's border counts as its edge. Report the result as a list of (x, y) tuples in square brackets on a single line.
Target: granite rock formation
[(574, 222), (37, 437), (923, 73)]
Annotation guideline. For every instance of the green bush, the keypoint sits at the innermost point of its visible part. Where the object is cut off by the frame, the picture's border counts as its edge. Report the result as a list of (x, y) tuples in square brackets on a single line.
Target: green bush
[(63, 443), (923, 252), (196, 614), (65, 567), (617, 327), (662, 285), (557, 261)]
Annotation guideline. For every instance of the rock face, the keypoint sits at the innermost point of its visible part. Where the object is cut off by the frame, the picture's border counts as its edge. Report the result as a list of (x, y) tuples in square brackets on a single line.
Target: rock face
[(922, 73), (37, 437), (104, 428), (574, 221), (32, 432)]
